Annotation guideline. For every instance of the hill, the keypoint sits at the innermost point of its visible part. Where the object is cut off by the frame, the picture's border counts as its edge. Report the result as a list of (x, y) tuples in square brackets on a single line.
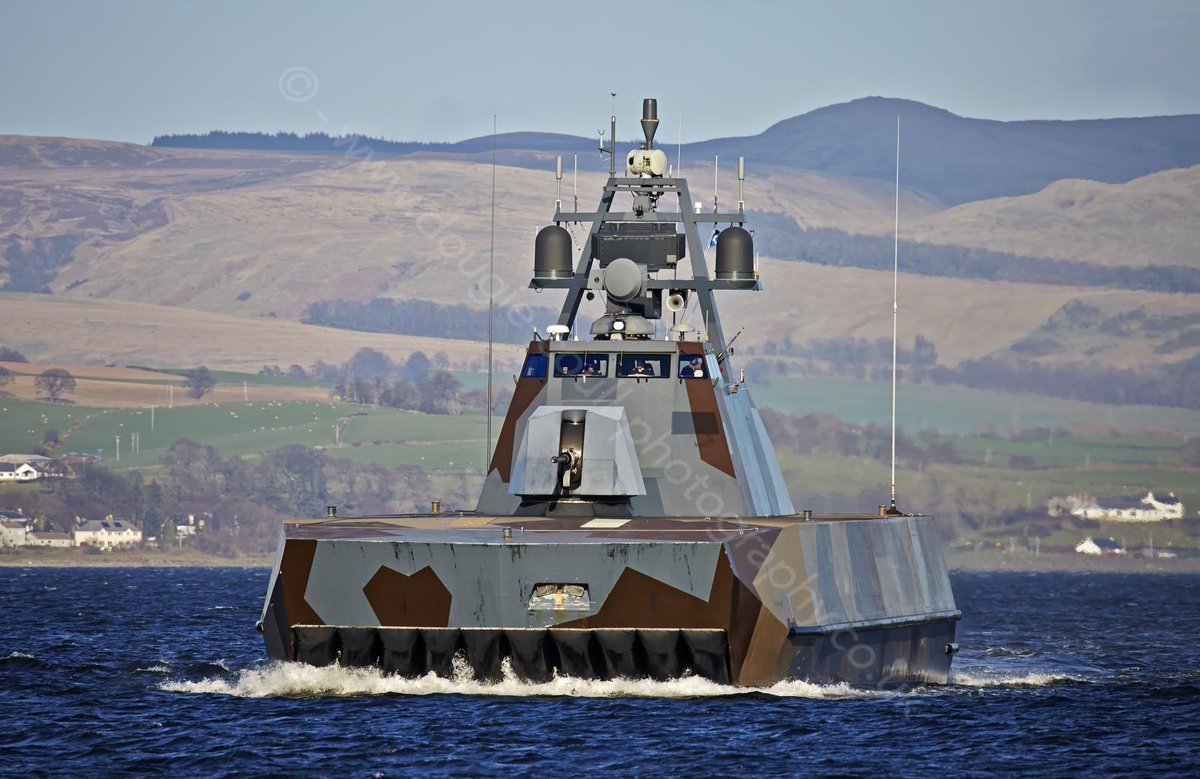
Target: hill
[(73, 331), (951, 158), (1150, 220), (105, 387), (170, 256), (262, 235), (958, 159)]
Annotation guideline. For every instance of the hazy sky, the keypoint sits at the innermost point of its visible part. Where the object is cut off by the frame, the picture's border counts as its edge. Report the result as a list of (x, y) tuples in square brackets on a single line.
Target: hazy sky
[(439, 70)]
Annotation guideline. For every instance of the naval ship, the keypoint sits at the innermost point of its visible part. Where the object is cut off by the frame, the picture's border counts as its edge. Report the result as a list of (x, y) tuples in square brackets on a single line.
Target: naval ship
[(634, 521)]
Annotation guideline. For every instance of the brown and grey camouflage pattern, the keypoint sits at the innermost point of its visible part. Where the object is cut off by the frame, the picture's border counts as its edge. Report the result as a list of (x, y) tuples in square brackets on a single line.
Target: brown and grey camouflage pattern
[(700, 444), (631, 522), (863, 600)]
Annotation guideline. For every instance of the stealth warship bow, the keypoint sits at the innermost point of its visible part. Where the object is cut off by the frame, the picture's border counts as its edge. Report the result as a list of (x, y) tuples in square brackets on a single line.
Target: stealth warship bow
[(634, 520)]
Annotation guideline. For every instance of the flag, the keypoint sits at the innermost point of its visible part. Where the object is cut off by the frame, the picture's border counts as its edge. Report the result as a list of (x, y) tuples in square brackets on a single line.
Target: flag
[(712, 242)]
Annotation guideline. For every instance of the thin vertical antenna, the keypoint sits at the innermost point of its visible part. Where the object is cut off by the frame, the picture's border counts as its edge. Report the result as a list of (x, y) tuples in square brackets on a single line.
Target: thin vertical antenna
[(895, 306), (716, 170), (679, 148), (576, 185), (612, 141), (487, 445)]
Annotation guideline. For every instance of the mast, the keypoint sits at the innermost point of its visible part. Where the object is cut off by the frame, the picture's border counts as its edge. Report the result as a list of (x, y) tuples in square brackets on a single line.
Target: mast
[(895, 311), (631, 316), (487, 446)]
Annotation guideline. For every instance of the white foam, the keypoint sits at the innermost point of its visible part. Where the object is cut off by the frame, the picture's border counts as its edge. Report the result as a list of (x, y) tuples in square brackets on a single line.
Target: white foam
[(992, 679), (300, 680), (15, 655)]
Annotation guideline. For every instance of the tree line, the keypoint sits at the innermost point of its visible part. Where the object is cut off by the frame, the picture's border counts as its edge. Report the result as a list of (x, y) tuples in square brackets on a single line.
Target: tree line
[(420, 383), (1176, 385), (778, 235), (828, 434), (242, 501), (853, 351), (511, 324)]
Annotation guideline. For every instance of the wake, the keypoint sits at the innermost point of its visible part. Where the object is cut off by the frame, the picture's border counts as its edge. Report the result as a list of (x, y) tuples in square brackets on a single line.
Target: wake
[(297, 680)]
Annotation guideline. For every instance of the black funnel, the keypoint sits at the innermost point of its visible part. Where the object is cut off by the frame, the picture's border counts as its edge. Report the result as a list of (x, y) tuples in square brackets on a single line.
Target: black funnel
[(649, 120)]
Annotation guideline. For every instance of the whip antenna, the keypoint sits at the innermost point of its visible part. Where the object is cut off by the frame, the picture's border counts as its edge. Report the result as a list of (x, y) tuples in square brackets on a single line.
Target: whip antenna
[(487, 444), (679, 147), (895, 310)]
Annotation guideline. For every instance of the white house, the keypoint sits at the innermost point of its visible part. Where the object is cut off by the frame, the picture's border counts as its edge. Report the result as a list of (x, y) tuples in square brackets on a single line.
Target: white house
[(1099, 546), (49, 538), (107, 533), (1122, 509), (1170, 507), (22, 472), (189, 527), (13, 532)]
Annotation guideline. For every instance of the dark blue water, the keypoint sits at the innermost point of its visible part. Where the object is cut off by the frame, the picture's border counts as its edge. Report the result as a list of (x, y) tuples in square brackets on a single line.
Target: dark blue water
[(136, 671)]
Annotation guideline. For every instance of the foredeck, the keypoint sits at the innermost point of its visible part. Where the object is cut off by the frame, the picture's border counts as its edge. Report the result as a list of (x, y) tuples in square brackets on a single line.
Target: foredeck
[(468, 527)]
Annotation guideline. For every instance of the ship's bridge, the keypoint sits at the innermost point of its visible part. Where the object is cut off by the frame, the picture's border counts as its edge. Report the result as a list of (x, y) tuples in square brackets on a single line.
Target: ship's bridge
[(597, 362)]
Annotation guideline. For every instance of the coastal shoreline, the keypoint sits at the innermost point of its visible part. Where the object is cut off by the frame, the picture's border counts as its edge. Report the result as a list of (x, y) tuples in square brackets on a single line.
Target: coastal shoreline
[(986, 561), (135, 558), (967, 561)]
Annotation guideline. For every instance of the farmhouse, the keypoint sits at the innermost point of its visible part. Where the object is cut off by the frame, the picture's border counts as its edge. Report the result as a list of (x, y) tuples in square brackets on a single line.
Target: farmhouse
[(187, 528), (13, 532), (20, 473), (49, 538), (36, 460), (1120, 509), (107, 533)]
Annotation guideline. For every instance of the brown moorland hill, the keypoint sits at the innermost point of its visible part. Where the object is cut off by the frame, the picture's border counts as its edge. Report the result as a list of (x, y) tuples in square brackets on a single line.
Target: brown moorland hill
[(78, 331), (261, 234), (221, 249), (965, 318), (132, 393), (1153, 220)]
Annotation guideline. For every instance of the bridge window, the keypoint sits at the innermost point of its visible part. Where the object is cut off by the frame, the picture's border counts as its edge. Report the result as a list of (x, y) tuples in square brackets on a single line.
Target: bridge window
[(692, 367), (644, 366), (576, 365), (535, 367)]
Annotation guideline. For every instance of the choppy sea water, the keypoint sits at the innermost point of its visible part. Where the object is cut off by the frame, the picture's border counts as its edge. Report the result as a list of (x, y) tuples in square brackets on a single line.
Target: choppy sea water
[(152, 671)]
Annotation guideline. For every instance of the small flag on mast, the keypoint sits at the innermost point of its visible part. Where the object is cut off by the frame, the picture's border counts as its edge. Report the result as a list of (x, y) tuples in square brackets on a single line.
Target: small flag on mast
[(712, 242)]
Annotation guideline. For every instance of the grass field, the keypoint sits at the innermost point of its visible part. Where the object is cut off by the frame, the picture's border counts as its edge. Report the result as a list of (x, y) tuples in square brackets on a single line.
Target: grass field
[(235, 377), (430, 455), (960, 410), (245, 429), (1072, 452), (450, 447)]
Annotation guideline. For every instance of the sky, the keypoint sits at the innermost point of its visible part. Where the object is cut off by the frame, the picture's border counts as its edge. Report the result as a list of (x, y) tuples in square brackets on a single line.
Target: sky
[(440, 70)]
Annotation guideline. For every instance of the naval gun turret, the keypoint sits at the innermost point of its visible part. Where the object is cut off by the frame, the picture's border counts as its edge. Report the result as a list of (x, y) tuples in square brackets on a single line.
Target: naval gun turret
[(633, 520)]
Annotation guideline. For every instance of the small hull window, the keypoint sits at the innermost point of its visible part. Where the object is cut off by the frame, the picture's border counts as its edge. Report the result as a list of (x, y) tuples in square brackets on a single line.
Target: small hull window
[(560, 597)]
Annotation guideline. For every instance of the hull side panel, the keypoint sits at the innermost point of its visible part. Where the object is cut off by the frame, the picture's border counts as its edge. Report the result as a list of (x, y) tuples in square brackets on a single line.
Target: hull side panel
[(862, 601)]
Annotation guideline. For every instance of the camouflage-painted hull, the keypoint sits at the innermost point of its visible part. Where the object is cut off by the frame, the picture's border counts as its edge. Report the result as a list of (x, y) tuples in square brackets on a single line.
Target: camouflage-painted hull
[(747, 602)]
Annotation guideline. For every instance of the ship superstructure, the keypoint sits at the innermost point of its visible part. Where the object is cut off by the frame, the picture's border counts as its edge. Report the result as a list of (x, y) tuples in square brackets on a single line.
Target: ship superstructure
[(634, 519)]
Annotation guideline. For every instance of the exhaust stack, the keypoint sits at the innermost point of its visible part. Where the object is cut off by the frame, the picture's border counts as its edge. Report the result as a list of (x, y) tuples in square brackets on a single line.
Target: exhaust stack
[(649, 120)]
